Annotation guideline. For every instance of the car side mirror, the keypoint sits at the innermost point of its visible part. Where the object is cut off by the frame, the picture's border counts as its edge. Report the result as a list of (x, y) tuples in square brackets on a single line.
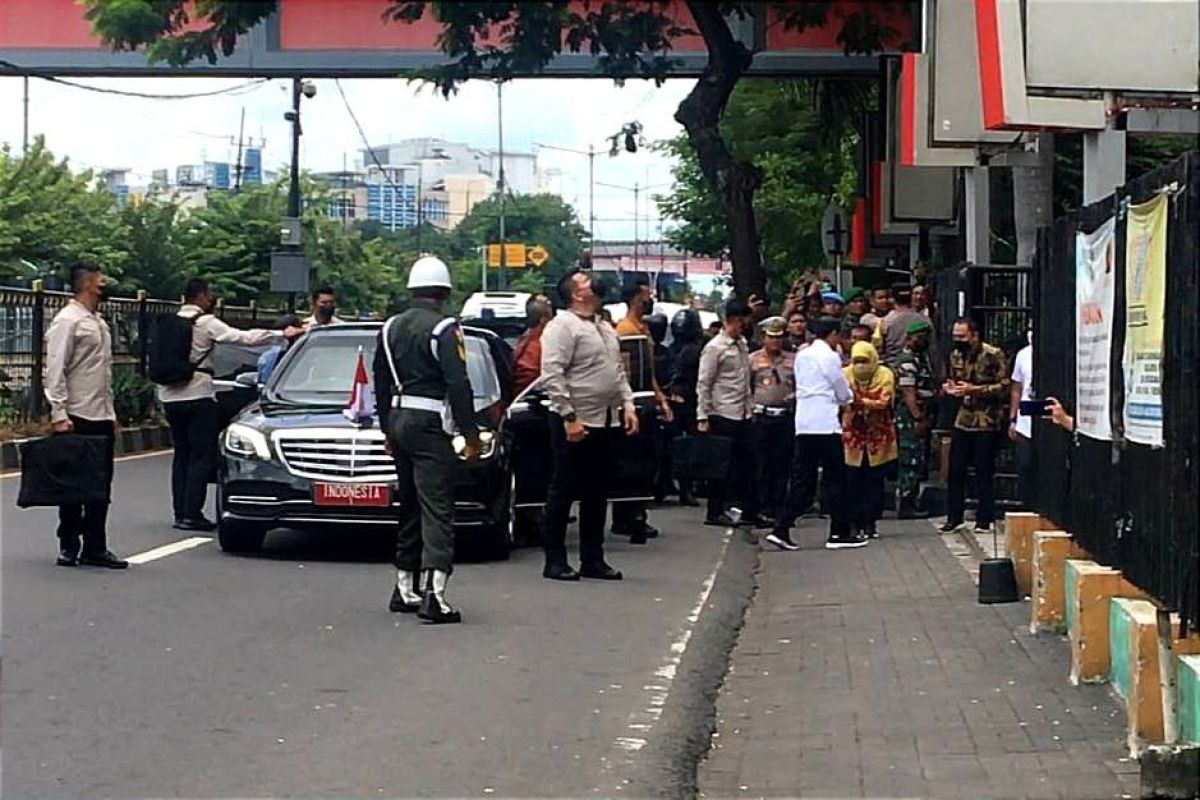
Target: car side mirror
[(247, 380)]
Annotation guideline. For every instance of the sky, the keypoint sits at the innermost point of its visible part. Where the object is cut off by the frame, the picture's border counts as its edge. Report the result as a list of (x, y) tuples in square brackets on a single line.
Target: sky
[(108, 131)]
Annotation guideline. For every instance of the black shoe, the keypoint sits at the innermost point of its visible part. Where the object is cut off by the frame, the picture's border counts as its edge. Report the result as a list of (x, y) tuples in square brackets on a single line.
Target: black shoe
[(105, 559), (67, 558), (782, 540), (197, 524), (763, 521), (871, 532), (846, 541), (560, 571), (723, 521), (649, 531), (950, 527), (397, 605), (638, 537), (600, 571)]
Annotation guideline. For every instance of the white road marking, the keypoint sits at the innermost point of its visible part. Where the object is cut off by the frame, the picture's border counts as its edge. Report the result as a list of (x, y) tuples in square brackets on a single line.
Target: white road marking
[(16, 473), (642, 722), (169, 549)]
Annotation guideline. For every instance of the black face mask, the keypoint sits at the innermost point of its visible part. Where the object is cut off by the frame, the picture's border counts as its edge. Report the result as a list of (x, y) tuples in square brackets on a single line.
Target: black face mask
[(104, 291), (962, 348), (325, 314), (600, 288)]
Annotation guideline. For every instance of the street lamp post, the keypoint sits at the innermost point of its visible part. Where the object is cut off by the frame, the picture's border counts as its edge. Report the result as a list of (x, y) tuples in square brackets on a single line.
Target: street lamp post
[(591, 155), (500, 183), (300, 88)]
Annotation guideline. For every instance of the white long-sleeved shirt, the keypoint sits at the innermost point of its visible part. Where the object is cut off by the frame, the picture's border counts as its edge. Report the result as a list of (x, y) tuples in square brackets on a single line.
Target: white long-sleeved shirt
[(207, 333), (723, 388), (821, 388), (78, 375)]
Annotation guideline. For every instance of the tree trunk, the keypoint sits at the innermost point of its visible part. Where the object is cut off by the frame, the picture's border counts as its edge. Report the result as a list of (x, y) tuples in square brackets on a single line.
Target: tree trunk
[(735, 182), (1033, 199)]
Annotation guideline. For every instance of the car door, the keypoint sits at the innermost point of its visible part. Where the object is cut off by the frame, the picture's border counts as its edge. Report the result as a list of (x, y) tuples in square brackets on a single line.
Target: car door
[(529, 431)]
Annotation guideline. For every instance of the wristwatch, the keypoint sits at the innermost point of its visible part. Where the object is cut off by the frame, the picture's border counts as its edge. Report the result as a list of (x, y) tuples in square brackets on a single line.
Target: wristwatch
[(569, 417)]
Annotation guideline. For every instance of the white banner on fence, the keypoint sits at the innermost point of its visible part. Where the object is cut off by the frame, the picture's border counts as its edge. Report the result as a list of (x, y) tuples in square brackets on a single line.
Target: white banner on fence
[(1145, 308), (1095, 277)]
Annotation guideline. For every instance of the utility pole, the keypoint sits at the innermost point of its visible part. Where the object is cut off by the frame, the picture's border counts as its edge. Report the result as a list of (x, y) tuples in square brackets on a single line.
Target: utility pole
[(294, 184), (237, 169), (591, 203), (420, 216), (636, 189), (25, 125), (501, 184)]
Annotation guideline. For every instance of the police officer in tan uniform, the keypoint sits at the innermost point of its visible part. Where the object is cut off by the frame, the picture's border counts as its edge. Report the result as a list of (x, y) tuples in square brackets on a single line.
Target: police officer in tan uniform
[(773, 382)]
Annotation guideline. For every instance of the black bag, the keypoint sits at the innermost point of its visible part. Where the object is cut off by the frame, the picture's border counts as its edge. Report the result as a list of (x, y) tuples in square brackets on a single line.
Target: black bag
[(169, 351), (701, 458), (63, 470)]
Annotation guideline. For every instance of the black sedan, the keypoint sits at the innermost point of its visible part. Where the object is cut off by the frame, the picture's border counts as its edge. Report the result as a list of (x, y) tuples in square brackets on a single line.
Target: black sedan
[(292, 459)]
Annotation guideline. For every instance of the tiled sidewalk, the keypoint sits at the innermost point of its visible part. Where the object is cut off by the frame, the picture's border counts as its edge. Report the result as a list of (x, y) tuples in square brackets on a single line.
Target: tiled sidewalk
[(875, 673)]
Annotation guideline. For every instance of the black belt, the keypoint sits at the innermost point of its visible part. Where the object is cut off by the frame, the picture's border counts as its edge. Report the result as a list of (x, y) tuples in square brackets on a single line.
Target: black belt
[(771, 412)]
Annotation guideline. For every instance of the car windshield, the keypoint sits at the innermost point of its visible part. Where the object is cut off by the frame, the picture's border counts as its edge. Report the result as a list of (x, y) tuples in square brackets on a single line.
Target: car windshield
[(322, 372)]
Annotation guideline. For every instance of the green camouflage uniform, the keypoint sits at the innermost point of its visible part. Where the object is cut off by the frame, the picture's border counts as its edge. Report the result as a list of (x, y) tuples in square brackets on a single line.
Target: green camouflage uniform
[(913, 370)]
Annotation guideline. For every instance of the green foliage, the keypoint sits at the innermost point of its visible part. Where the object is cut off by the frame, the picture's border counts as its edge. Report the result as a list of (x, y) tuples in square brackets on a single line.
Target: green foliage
[(534, 219), (133, 397), (805, 162), (50, 216)]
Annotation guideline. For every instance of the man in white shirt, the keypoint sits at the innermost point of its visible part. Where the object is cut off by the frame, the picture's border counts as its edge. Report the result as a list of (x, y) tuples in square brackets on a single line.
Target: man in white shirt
[(78, 387), (1020, 426), (821, 390), (191, 407)]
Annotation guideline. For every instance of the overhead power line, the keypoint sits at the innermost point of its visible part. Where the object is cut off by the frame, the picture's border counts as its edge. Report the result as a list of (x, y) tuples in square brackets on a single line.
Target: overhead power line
[(240, 88)]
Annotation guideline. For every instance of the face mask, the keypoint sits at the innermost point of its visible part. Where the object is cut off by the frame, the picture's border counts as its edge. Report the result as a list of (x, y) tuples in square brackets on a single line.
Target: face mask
[(864, 372), (103, 291), (599, 288), (962, 348), (326, 314)]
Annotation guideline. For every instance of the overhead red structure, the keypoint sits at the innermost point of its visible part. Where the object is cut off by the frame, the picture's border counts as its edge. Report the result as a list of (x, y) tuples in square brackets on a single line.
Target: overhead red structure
[(349, 38)]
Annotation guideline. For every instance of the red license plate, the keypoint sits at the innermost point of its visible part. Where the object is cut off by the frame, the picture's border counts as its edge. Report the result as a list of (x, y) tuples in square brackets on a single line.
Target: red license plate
[(351, 494)]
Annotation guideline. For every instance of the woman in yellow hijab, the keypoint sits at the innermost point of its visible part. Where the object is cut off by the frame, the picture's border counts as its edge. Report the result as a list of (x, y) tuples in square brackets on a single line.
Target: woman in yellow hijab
[(868, 435)]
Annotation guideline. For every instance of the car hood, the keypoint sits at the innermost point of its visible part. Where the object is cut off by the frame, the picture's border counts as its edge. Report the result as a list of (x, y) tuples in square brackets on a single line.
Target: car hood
[(268, 417)]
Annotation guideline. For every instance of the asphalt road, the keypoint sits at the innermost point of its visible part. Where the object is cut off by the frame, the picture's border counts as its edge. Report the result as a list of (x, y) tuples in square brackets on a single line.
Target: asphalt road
[(200, 674)]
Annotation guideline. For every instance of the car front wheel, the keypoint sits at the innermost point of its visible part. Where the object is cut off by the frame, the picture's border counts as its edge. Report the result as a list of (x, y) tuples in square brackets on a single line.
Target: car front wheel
[(236, 536)]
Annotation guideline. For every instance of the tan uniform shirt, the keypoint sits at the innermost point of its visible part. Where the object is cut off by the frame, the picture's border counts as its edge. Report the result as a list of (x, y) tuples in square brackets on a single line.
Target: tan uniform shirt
[(78, 373), (207, 333), (774, 380), (724, 386), (582, 370)]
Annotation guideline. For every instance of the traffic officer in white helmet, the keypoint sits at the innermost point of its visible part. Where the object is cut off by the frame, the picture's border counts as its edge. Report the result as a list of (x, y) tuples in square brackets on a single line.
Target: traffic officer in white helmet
[(424, 399)]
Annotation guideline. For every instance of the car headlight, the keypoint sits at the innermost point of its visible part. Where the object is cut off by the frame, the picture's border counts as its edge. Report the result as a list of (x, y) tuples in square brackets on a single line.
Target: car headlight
[(246, 442), (489, 445)]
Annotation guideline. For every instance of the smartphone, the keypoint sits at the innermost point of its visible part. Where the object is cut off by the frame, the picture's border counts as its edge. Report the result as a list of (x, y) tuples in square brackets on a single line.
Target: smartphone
[(1035, 408)]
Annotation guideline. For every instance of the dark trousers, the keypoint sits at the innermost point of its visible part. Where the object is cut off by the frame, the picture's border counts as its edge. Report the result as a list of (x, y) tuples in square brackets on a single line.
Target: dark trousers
[(628, 517), (978, 449), (581, 471), (88, 520), (194, 431), (773, 448), (425, 469), (865, 485), (810, 452), (1026, 471), (742, 475)]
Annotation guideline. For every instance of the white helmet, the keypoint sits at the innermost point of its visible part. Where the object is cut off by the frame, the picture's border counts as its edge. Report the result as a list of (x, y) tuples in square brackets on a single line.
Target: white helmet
[(428, 272)]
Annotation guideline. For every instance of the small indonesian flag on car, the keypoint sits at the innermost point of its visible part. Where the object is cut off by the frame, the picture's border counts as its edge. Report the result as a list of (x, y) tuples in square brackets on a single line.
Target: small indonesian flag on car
[(361, 409)]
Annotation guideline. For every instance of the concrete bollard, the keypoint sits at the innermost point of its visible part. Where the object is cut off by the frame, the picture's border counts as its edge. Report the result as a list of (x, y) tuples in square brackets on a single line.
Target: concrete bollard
[(1019, 527), (1088, 588), (1051, 549)]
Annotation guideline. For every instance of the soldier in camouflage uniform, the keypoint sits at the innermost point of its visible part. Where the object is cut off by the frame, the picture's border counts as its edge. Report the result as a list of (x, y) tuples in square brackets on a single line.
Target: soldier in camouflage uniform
[(914, 413)]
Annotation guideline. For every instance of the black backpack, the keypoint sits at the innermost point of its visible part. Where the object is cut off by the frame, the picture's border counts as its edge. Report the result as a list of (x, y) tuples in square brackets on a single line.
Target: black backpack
[(169, 351)]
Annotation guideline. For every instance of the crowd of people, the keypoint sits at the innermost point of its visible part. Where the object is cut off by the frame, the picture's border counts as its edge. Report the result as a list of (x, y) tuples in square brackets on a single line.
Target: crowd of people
[(817, 407)]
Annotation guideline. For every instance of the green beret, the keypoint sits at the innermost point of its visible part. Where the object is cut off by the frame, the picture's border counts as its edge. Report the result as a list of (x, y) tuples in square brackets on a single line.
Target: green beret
[(853, 292), (920, 326)]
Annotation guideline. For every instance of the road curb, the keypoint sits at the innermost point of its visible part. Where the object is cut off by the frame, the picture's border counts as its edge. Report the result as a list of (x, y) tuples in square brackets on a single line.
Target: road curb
[(683, 735)]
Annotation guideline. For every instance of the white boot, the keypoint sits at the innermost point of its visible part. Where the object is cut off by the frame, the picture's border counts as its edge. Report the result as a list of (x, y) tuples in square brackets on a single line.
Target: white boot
[(434, 607), (406, 597)]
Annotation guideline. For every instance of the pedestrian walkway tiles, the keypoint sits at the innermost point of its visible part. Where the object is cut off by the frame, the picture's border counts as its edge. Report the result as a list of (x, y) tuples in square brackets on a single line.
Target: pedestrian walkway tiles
[(875, 673)]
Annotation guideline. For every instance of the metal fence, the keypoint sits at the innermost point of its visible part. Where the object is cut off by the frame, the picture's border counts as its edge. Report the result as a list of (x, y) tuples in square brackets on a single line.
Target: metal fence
[(1132, 506), (26, 313)]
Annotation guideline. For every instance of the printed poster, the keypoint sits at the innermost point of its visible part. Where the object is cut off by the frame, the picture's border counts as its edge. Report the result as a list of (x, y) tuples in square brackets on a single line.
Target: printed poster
[(1095, 277), (1145, 295)]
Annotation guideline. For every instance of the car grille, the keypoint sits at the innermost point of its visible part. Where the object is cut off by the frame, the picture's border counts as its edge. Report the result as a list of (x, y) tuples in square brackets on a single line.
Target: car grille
[(333, 455)]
